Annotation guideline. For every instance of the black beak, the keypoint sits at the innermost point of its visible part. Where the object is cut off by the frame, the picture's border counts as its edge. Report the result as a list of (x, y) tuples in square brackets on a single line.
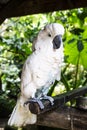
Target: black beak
[(57, 41)]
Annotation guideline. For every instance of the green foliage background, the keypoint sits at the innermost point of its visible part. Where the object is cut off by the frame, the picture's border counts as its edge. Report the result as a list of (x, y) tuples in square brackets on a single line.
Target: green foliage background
[(16, 37)]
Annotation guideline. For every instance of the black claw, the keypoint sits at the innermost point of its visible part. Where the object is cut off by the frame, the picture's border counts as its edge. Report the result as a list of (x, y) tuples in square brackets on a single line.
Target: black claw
[(50, 99), (27, 102)]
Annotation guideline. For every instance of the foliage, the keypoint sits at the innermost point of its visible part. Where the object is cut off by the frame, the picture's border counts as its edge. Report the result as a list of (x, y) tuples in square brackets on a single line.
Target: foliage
[(16, 37)]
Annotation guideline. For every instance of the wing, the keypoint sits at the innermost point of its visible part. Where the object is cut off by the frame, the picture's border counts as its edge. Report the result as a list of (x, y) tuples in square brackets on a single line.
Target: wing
[(28, 87)]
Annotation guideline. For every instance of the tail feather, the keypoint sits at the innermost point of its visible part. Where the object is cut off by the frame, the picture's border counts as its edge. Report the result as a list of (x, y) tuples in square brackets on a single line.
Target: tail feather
[(11, 120), (21, 116)]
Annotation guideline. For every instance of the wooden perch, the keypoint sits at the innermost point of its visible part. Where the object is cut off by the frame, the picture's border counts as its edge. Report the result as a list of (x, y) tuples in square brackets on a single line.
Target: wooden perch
[(58, 100), (64, 117), (14, 8)]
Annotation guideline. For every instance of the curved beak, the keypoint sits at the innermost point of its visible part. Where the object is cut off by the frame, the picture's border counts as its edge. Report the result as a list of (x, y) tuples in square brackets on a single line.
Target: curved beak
[(57, 41)]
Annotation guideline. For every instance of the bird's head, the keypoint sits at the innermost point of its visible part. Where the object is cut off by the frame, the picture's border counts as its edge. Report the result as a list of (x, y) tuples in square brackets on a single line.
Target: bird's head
[(50, 36)]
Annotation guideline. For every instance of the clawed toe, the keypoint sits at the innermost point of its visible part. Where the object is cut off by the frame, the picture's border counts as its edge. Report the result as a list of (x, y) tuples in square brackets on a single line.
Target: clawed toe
[(50, 99), (35, 100), (39, 102)]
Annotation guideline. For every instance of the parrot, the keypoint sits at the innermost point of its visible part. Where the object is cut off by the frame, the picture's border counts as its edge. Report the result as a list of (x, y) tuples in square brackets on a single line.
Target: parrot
[(39, 72)]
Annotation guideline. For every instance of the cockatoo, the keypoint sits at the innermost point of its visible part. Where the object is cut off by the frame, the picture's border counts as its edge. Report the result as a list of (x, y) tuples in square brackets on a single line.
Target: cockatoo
[(39, 72)]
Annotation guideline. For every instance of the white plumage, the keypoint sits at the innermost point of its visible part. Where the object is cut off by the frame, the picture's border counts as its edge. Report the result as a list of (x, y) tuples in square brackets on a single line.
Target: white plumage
[(40, 70)]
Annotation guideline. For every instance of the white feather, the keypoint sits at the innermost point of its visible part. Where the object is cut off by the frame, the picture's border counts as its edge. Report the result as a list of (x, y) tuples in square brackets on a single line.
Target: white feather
[(21, 115)]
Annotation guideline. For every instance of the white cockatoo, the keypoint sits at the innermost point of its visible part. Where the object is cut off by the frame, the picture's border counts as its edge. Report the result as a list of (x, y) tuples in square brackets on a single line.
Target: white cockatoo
[(40, 70)]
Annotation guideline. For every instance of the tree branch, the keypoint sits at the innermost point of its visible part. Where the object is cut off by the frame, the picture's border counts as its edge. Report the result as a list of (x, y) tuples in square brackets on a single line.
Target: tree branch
[(59, 100), (64, 117)]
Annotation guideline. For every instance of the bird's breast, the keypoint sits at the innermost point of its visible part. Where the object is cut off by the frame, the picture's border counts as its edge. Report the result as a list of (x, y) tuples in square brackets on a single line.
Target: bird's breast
[(44, 69)]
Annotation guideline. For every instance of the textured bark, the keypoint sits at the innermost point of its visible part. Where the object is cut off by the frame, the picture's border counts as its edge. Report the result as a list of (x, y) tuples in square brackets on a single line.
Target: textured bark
[(64, 117), (59, 100), (14, 8)]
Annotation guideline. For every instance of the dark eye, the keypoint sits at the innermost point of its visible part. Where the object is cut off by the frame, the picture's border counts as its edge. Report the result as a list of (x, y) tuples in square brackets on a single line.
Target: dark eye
[(49, 34)]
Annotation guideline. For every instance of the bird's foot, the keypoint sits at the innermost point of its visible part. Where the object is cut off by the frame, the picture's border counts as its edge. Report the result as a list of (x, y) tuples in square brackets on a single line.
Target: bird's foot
[(49, 98), (39, 102), (35, 100)]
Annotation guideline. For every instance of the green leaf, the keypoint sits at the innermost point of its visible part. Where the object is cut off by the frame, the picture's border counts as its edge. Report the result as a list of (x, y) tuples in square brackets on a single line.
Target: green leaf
[(80, 46), (71, 40), (72, 53), (76, 31)]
